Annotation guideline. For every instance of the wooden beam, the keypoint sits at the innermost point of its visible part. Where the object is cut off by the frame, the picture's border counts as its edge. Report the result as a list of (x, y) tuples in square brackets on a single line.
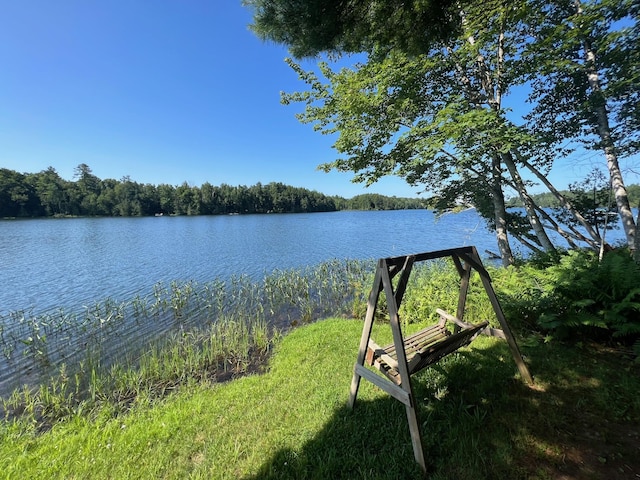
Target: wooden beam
[(506, 330), (404, 279), (372, 305), (421, 257), (395, 391), (403, 368), (465, 277)]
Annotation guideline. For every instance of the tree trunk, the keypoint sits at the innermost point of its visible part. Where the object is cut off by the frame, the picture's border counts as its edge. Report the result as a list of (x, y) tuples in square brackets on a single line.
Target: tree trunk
[(604, 132), (636, 251), (617, 184), (500, 215), (527, 243), (553, 224), (529, 205), (597, 239)]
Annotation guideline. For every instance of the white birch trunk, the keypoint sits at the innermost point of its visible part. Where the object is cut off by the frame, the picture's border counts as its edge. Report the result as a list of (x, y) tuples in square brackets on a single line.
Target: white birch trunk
[(604, 132), (500, 215), (636, 252), (596, 238), (529, 206)]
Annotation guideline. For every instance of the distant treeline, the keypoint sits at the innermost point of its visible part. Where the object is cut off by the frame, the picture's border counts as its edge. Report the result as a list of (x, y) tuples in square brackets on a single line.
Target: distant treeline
[(46, 194), (548, 200)]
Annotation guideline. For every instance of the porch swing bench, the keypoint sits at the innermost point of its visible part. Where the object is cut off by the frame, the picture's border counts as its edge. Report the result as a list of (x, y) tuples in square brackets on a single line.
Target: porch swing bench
[(425, 347), (397, 362)]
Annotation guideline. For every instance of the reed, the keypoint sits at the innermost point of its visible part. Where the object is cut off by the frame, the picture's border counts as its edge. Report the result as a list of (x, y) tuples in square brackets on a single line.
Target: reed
[(120, 352)]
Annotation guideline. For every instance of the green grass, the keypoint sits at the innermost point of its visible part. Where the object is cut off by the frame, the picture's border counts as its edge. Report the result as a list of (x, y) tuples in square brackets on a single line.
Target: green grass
[(118, 332), (480, 421), (187, 332)]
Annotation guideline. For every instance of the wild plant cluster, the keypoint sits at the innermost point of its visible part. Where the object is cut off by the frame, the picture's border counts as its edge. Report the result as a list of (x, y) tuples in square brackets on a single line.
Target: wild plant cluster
[(575, 294), (115, 353)]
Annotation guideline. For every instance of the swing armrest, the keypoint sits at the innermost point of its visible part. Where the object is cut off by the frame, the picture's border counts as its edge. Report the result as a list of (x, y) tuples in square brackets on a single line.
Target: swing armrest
[(375, 352), (455, 320)]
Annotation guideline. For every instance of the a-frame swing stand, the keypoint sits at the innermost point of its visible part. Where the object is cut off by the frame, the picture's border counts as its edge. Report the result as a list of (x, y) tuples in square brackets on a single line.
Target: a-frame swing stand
[(406, 356)]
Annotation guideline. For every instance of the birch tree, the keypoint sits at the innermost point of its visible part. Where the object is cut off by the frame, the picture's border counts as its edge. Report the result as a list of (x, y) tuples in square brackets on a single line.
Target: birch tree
[(430, 107), (586, 84), (435, 120)]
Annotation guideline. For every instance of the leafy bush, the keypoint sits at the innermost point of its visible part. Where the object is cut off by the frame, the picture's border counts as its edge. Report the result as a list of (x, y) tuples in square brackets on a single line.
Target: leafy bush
[(577, 293), (432, 285), (436, 284)]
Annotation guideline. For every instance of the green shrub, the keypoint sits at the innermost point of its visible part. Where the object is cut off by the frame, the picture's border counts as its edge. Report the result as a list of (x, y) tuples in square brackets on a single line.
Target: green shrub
[(432, 285), (577, 293)]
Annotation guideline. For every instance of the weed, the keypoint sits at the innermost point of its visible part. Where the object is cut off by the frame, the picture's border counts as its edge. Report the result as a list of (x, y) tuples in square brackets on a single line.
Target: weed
[(119, 351)]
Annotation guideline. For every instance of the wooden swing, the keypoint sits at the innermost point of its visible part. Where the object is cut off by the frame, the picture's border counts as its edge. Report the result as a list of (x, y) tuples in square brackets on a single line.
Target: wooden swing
[(406, 356)]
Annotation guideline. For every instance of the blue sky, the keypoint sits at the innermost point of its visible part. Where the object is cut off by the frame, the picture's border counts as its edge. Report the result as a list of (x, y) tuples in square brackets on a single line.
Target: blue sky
[(162, 91)]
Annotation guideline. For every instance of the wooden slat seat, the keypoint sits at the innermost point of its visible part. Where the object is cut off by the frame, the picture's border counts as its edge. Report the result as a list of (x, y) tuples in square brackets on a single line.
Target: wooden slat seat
[(423, 348)]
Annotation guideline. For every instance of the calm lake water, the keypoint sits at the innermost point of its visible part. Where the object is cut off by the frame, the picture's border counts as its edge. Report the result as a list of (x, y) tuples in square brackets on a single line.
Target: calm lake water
[(53, 273), (68, 263)]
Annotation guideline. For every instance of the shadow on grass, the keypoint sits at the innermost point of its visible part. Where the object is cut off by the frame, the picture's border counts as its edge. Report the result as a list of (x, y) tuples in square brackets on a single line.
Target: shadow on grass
[(479, 421)]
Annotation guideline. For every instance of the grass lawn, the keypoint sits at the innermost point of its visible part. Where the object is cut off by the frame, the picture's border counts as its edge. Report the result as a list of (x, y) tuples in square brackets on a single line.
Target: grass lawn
[(480, 421)]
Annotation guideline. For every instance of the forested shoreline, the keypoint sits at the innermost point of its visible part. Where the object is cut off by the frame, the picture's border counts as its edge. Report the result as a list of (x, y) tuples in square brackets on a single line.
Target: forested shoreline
[(599, 197), (46, 194)]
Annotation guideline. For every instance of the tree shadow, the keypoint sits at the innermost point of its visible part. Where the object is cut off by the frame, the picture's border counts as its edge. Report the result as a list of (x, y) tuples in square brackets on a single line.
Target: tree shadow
[(479, 421)]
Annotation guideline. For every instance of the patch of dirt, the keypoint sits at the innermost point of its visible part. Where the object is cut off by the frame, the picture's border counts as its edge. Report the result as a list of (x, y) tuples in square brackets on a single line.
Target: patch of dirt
[(582, 443), (593, 448)]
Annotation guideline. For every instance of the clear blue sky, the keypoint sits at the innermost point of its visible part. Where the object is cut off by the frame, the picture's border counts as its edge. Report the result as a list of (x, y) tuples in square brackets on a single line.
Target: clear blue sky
[(162, 91)]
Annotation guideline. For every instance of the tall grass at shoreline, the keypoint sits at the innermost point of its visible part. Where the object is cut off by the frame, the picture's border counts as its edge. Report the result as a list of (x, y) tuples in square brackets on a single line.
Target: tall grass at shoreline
[(115, 353)]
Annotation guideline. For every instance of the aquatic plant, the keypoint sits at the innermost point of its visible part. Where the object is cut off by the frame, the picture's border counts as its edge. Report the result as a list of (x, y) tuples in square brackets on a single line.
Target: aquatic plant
[(116, 351)]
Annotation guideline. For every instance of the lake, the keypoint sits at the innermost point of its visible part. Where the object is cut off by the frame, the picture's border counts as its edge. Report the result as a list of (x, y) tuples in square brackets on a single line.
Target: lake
[(104, 289), (69, 263)]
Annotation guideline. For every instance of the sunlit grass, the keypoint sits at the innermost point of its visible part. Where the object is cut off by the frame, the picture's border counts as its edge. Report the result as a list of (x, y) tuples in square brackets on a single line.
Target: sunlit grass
[(479, 420)]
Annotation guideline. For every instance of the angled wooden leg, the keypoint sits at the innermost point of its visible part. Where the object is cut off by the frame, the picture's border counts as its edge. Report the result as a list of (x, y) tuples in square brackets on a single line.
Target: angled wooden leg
[(474, 260), (465, 277), (372, 303), (416, 439), (511, 341), (405, 378), (353, 392)]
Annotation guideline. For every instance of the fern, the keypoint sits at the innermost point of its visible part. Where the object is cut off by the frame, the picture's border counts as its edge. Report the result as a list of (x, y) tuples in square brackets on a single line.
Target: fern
[(582, 294)]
